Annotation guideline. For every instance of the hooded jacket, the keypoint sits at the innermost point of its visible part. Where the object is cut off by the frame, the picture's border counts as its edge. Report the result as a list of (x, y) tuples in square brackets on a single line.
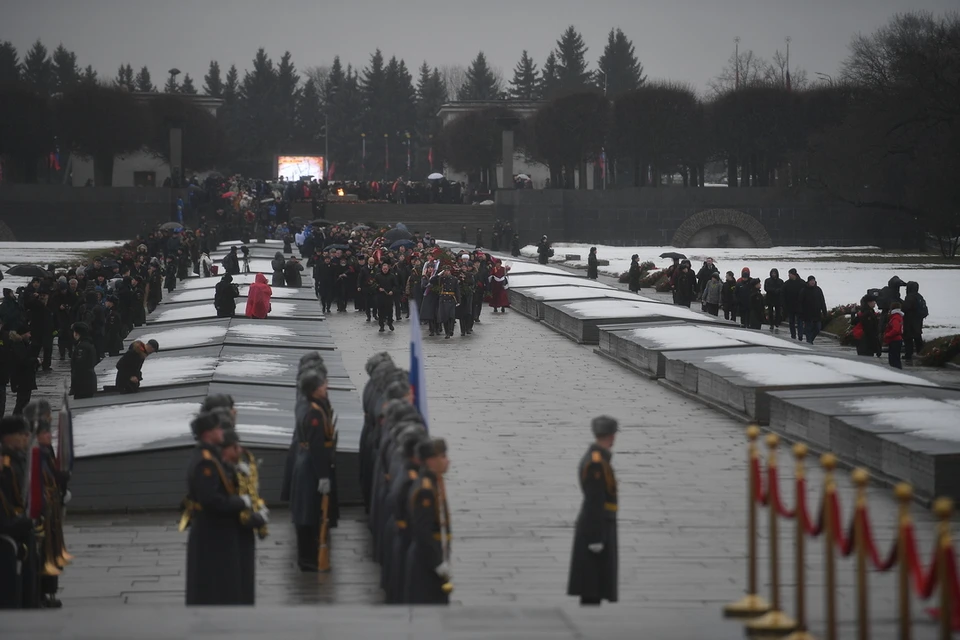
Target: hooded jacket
[(914, 311), (894, 330), (258, 298)]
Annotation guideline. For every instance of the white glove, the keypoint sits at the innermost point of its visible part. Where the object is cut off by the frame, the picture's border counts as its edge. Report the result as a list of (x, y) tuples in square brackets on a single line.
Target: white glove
[(264, 512), (67, 497), (596, 547), (323, 486), (247, 502), (443, 570)]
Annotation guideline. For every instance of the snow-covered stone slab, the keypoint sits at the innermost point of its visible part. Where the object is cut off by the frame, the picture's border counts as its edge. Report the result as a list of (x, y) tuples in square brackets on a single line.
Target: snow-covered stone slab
[(580, 319), (278, 332), (904, 433), (518, 267), (135, 426), (535, 279), (211, 282), (271, 366), (530, 300), (289, 309), (203, 333), (206, 295), (641, 345), (185, 366)]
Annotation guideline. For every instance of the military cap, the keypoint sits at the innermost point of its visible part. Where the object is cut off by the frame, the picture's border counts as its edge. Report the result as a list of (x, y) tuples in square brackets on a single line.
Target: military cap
[(32, 413), (216, 401), (205, 421), (224, 416), (431, 448), (440, 445), (153, 344), (397, 390), (377, 359), (387, 406), (603, 426), (230, 437), (11, 425), (311, 356), (411, 444), (311, 381)]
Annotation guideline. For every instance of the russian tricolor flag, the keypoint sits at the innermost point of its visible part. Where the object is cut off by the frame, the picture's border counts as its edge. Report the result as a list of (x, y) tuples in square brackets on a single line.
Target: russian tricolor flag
[(418, 377)]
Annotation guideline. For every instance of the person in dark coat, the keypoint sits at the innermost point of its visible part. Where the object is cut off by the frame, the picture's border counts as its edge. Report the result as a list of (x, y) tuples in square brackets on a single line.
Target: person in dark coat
[(634, 273), (427, 567), (773, 288), (813, 308), (869, 343), (292, 271), (388, 289), (790, 293), (231, 262), (312, 468), (323, 275), (170, 274), (479, 237), (468, 284), (544, 252), (888, 295), (705, 273), (686, 286), (449, 298), (225, 297), (22, 368), (213, 549), (91, 313), (515, 245), (593, 265), (914, 312), (377, 365), (130, 365), (757, 306), (278, 263), (594, 563), (728, 297), (401, 516), (744, 291), (19, 570), (463, 234), (113, 328), (431, 300), (83, 378)]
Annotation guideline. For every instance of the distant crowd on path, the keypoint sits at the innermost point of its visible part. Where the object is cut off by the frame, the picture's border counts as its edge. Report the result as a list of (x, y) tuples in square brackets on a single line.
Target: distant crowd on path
[(887, 319)]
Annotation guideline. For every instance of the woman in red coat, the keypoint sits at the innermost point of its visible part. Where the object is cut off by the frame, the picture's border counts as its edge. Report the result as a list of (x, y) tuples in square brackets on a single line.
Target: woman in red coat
[(498, 289), (258, 298)]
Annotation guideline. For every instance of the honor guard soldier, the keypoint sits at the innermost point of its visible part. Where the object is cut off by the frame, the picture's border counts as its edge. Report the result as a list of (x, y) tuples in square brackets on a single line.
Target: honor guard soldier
[(310, 484), (427, 579), (449, 299), (19, 588), (53, 556), (401, 537), (213, 511), (593, 568)]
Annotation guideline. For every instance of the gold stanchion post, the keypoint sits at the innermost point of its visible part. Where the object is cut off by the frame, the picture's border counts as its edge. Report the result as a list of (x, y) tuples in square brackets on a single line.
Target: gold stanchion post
[(904, 494), (860, 479), (943, 508), (829, 462), (775, 622), (800, 452), (751, 605)]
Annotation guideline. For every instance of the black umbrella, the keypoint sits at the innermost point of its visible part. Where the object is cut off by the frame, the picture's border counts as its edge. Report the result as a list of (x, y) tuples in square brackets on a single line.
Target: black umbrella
[(171, 225), (397, 234), (673, 255), (298, 220), (337, 246), (320, 222), (402, 243), (361, 227), (27, 270)]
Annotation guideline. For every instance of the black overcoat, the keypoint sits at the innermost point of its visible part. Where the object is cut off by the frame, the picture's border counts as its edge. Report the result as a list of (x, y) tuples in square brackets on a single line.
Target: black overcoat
[(314, 457), (422, 585), (593, 576)]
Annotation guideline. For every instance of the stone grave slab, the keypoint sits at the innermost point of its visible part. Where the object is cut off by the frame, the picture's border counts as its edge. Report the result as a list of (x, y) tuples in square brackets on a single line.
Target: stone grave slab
[(279, 332), (185, 335), (534, 279), (255, 365), (580, 320), (531, 300), (167, 368), (211, 283), (299, 309), (206, 295), (518, 267)]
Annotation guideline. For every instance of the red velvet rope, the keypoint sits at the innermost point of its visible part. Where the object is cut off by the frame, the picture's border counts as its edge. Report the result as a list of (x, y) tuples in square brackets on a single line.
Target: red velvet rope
[(812, 531), (923, 584), (759, 494), (773, 491), (951, 559), (891, 560), (844, 544)]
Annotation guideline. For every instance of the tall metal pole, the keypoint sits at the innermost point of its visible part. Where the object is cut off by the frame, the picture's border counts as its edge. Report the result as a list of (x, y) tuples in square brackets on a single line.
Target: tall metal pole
[(736, 57), (326, 147)]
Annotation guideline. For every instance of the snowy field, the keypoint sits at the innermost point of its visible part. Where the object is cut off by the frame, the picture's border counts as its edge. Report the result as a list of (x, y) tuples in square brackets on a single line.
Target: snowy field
[(842, 281)]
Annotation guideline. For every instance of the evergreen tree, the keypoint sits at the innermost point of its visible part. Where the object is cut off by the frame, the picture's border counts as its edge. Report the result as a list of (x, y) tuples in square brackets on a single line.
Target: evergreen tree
[(38, 70), (334, 82), (212, 84), (88, 77), (143, 82), (572, 62), (66, 73), (171, 86), (431, 95), (346, 127), (482, 83), (400, 118), (187, 87), (619, 62), (309, 123), (375, 110), (257, 115), (550, 77), (9, 64), (525, 84), (231, 85), (124, 78), (286, 98)]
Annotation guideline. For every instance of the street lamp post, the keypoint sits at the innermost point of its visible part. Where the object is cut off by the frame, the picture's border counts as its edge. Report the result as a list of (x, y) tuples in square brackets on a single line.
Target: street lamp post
[(363, 156), (326, 147)]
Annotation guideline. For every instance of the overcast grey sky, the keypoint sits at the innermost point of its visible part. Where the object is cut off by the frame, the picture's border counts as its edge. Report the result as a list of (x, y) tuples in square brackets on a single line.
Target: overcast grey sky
[(687, 40)]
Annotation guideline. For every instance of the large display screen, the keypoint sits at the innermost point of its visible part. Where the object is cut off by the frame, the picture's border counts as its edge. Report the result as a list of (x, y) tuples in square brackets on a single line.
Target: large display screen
[(293, 168)]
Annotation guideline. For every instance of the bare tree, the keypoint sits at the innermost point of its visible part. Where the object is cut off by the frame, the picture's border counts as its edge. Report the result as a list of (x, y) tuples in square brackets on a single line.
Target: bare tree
[(775, 73), (318, 73), (454, 76), (751, 71)]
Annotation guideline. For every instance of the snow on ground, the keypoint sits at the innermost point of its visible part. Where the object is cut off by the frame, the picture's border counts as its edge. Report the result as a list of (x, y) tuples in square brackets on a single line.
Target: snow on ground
[(168, 370), (517, 267), (630, 309), (130, 427), (262, 332), (773, 369), (842, 282), (941, 418), (574, 292), (12, 253), (169, 313), (705, 336), (181, 337)]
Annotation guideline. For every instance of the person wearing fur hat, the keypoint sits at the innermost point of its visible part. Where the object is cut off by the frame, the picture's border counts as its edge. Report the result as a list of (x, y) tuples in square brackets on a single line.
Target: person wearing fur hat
[(593, 567), (130, 366), (19, 576), (213, 570), (311, 474), (83, 379), (427, 569)]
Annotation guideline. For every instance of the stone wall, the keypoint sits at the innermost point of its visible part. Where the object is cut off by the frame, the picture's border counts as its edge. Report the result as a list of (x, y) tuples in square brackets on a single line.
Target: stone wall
[(676, 216), (60, 213)]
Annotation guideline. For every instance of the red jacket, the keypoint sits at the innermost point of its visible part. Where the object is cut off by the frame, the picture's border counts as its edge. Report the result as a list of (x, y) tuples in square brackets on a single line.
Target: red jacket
[(894, 330), (258, 298)]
